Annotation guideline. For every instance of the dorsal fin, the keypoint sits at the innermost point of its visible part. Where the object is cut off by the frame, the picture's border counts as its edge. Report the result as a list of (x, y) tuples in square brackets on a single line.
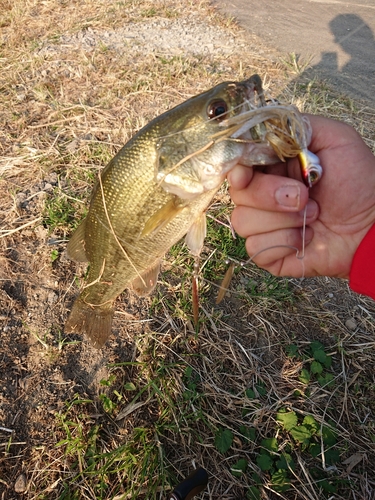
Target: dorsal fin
[(76, 246)]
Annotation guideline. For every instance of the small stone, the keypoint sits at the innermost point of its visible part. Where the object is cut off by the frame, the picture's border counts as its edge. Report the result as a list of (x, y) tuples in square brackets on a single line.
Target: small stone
[(52, 297), (53, 178), (21, 196), (72, 146), (351, 324), (21, 484), (330, 295)]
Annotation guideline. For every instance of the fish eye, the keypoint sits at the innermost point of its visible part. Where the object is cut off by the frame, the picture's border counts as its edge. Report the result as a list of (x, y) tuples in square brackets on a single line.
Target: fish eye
[(216, 109)]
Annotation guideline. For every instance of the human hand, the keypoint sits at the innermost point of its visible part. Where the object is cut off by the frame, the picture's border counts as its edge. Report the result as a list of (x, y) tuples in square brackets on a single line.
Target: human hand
[(340, 207)]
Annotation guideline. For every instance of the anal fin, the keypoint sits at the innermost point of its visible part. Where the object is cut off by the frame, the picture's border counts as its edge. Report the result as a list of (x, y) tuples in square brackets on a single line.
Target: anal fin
[(146, 282), (76, 246), (196, 235)]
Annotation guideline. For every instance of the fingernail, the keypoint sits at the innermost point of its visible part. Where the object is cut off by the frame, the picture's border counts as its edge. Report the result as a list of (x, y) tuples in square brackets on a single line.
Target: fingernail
[(311, 209), (288, 196)]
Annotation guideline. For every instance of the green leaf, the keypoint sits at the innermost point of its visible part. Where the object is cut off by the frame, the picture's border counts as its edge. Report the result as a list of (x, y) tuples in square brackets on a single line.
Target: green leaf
[(223, 440), (54, 255), (119, 396), (239, 467), (327, 487), (301, 434), (304, 376), (310, 422), (326, 380), (329, 436), (287, 419), (314, 449), (280, 481), (285, 462), (256, 479), (108, 404), (270, 444), (248, 432), (328, 362), (316, 367), (316, 346), (332, 456), (250, 394), (129, 386), (108, 381), (291, 350), (320, 355), (253, 493), (264, 462), (262, 391)]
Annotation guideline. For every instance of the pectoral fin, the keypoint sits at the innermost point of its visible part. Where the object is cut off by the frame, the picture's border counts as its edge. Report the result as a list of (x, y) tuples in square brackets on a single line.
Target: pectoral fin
[(76, 246), (161, 218), (196, 235), (145, 284)]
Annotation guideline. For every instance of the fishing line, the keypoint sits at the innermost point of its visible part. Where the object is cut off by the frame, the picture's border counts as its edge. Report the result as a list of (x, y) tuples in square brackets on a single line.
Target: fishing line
[(114, 234), (300, 255), (223, 287), (303, 236)]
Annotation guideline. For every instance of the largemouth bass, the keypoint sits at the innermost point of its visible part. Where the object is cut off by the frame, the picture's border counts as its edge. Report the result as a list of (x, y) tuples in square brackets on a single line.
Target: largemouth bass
[(158, 187)]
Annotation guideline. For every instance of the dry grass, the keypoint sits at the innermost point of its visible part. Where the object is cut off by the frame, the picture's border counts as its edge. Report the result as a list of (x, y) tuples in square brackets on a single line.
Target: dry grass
[(167, 391)]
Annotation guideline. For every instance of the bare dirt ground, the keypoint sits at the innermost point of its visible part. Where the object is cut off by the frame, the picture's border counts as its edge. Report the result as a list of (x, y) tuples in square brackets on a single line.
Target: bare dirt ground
[(77, 80)]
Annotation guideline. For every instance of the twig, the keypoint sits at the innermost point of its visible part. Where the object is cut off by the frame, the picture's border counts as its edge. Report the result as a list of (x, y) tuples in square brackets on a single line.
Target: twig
[(5, 429), (12, 231), (57, 122)]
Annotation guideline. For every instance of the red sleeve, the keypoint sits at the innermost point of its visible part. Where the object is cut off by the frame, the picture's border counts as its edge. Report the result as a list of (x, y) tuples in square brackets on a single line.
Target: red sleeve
[(362, 272)]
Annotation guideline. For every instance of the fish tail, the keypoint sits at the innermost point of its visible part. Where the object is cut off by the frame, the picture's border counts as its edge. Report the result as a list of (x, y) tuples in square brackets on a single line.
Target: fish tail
[(95, 322)]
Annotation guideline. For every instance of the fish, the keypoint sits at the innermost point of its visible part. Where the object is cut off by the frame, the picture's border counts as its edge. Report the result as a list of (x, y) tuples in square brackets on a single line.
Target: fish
[(159, 185)]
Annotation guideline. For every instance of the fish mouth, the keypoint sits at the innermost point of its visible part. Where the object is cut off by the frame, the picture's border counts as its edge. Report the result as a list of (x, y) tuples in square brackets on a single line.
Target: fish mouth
[(268, 122), (281, 126)]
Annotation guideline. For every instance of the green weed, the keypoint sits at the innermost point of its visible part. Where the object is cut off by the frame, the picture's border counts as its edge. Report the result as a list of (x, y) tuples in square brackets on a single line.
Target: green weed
[(60, 213), (295, 437), (318, 364)]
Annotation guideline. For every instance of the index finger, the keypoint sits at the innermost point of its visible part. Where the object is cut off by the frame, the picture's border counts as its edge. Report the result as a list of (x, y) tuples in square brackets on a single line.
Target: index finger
[(272, 193)]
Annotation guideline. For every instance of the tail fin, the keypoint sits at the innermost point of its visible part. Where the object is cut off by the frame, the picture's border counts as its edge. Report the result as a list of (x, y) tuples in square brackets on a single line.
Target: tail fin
[(95, 322)]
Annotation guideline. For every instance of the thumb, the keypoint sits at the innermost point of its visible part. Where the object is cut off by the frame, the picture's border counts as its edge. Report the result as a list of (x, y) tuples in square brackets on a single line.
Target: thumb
[(240, 177)]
